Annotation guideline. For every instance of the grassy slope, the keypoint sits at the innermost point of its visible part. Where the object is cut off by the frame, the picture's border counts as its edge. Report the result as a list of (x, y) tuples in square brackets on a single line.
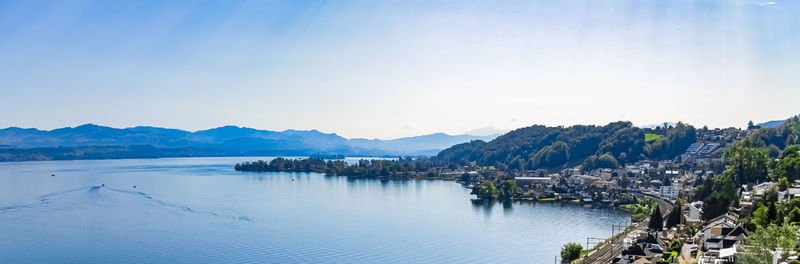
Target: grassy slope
[(651, 137)]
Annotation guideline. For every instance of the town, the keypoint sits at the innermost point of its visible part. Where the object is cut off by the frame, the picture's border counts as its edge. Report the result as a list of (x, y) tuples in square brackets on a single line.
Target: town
[(689, 230), (722, 198)]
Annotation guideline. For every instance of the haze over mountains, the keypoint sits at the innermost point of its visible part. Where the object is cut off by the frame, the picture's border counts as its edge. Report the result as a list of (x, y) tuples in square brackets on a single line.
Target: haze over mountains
[(100, 142), (773, 123), (230, 140)]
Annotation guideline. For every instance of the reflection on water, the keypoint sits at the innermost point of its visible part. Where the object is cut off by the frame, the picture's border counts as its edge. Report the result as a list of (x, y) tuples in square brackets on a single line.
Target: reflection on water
[(199, 210)]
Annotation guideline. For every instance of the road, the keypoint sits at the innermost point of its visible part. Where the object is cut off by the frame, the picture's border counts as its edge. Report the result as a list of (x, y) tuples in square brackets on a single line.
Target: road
[(686, 254)]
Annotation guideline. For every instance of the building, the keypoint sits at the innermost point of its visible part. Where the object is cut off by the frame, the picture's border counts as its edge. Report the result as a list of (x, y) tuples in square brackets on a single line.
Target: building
[(695, 211), (720, 238), (672, 173), (707, 149), (670, 192), (641, 250), (789, 194), (694, 148), (761, 189), (582, 180), (633, 171), (533, 182)]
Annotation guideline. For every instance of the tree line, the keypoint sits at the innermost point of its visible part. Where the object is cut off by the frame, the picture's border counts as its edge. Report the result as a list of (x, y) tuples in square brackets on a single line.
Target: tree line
[(377, 168), (539, 146)]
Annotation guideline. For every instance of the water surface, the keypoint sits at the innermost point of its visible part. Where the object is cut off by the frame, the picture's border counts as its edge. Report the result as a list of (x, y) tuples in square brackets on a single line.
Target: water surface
[(199, 210)]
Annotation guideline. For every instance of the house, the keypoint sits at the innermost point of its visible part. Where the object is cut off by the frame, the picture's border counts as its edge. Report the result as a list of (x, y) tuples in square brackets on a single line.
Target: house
[(672, 173), (633, 171), (640, 250), (583, 179), (571, 172), (789, 194), (746, 196), (666, 164), (643, 165), (720, 238), (762, 188), (695, 211)]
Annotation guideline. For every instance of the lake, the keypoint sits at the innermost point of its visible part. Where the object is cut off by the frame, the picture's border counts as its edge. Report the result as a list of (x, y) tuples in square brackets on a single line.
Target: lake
[(199, 210)]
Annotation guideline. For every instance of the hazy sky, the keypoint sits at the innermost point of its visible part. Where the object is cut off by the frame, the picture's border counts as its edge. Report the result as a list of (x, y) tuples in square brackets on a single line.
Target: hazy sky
[(384, 69)]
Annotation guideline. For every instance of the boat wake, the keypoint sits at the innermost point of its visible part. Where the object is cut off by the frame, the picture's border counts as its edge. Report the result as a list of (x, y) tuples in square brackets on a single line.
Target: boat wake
[(104, 196)]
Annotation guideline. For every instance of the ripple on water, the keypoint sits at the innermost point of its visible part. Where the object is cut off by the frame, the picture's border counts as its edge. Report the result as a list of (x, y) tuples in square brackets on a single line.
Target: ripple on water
[(201, 211)]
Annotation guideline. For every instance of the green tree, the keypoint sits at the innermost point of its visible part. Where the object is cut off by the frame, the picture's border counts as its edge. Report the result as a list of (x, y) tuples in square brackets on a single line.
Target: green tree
[(570, 251), (783, 184), (715, 205), (623, 181), (788, 165), (749, 164), (760, 216), (508, 189), (485, 190), (766, 239), (772, 213), (793, 217), (517, 164), (640, 213), (674, 217), (465, 178), (673, 143), (597, 162), (656, 220)]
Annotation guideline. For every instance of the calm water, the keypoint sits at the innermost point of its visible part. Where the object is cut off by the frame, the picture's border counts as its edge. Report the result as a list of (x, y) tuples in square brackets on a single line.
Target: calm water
[(194, 210)]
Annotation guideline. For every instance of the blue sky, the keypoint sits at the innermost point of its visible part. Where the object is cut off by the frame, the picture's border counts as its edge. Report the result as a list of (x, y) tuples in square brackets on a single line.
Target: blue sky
[(385, 69)]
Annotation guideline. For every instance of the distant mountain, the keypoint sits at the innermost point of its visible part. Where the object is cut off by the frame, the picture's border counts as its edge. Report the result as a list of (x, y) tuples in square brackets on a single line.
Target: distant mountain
[(772, 124), (419, 145), (221, 141)]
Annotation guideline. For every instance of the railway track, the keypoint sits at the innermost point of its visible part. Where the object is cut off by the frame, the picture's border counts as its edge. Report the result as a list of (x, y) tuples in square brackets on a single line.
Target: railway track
[(607, 252)]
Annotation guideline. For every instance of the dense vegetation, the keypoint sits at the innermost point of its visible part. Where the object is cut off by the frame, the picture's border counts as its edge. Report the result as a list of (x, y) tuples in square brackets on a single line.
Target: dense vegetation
[(749, 162), (400, 168), (656, 222), (554, 147), (640, 209), (570, 251), (487, 190), (777, 138)]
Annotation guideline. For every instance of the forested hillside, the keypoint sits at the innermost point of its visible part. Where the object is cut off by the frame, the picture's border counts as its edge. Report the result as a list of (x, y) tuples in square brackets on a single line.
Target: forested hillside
[(767, 154), (777, 138), (553, 147)]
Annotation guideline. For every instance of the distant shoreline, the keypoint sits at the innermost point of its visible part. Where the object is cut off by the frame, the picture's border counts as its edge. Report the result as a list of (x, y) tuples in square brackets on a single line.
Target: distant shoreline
[(143, 152)]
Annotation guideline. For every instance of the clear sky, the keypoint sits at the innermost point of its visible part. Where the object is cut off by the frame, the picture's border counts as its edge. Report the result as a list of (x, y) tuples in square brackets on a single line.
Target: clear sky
[(386, 69)]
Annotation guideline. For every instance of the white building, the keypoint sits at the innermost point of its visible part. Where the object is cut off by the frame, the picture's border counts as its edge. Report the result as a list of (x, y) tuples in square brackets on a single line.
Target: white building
[(533, 182), (670, 192), (695, 211)]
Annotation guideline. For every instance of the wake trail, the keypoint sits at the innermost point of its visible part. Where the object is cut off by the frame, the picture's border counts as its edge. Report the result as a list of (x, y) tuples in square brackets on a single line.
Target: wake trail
[(96, 189)]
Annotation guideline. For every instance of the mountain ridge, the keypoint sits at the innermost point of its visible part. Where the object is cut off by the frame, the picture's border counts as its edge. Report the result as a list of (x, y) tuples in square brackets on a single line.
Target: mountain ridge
[(228, 139)]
